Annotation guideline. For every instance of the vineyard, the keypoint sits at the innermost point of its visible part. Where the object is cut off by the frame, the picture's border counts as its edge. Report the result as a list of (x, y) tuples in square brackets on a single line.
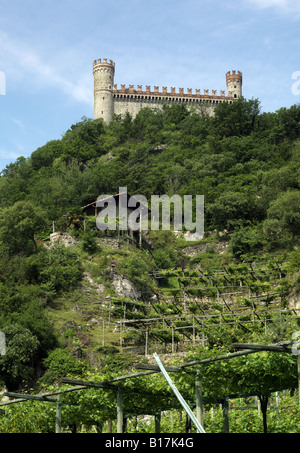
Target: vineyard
[(88, 315), (191, 305), (189, 323)]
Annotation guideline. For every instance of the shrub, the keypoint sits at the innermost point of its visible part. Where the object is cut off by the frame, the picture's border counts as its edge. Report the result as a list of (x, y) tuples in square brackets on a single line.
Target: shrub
[(63, 269)]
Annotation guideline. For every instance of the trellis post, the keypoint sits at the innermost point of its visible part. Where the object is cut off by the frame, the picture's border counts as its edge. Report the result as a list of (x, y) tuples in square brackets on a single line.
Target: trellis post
[(120, 410), (146, 341), (157, 423), (121, 333), (298, 368), (225, 409), (199, 397), (172, 339), (58, 416), (178, 395), (103, 333), (194, 336)]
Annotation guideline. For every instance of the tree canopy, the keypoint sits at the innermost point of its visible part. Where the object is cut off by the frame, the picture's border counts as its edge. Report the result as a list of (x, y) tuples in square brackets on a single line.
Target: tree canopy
[(244, 162)]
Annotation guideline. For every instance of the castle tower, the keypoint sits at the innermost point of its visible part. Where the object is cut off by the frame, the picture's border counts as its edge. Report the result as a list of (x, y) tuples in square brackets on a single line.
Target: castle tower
[(103, 72), (234, 82)]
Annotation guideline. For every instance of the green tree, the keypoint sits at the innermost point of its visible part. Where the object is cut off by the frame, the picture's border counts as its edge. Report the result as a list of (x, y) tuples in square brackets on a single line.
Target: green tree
[(246, 240), (63, 270), (231, 209), (17, 364), (44, 156), (286, 209), (60, 363), (19, 225), (236, 119)]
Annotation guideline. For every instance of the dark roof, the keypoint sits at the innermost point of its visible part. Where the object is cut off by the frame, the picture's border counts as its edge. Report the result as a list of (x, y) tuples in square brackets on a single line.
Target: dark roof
[(109, 197)]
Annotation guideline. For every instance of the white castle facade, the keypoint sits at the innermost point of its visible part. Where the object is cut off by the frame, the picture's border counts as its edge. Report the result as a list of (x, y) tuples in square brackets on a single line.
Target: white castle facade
[(110, 100)]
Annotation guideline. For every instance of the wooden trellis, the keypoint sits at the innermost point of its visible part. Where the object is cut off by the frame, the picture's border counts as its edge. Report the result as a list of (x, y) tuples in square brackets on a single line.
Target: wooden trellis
[(46, 397), (116, 385), (199, 322)]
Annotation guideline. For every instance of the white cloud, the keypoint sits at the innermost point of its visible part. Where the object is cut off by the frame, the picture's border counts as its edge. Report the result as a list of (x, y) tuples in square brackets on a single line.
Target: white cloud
[(19, 123), (38, 73), (283, 6)]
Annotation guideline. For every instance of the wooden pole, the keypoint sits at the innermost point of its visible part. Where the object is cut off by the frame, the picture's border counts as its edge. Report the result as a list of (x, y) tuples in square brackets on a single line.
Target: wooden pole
[(58, 416), (298, 365), (172, 339), (178, 395), (157, 423), (103, 333), (120, 410), (146, 342), (199, 397), (99, 428), (194, 336), (225, 409), (263, 347), (109, 309), (140, 233)]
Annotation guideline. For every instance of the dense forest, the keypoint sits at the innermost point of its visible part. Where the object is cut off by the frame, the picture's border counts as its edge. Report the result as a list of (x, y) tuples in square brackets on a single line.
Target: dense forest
[(246, 164)]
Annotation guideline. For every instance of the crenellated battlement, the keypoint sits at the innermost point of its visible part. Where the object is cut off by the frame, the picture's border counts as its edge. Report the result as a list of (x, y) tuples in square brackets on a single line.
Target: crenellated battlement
[(103, 65), (234, 73), (104, 61), (109, 99), (165, 92), (234, 76)]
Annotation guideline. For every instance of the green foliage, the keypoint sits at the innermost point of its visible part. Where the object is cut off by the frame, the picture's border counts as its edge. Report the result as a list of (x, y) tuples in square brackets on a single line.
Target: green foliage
[(231, 210), (240, 119), (62, 269), (246, 240), (240, 160), (44, 156), (89, 242), (165, 258), (17, 365), (137, 267), (19, 224), (244, 162), (286, 210), (59, 364)]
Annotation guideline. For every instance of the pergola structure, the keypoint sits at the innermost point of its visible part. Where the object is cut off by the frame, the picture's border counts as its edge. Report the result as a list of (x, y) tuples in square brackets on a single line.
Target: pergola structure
[(116, 385)]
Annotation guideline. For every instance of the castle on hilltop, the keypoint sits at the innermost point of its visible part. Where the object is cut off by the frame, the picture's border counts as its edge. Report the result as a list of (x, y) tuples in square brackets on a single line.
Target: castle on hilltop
[(110, 100)]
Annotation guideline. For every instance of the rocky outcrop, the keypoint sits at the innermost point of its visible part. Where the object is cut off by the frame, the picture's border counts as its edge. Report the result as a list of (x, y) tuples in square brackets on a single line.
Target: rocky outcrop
[(62, 238), (124, 287)]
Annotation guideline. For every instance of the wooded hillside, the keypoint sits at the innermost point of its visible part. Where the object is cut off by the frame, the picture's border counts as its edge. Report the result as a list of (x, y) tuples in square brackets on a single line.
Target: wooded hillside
[(76, 310)]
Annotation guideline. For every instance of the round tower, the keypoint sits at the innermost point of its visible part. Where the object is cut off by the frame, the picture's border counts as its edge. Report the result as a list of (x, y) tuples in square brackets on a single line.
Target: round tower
[(103, 72), (234, 82)]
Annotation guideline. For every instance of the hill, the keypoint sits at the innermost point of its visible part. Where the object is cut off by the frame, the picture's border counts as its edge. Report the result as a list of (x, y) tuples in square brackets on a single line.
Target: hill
[(71, 302)]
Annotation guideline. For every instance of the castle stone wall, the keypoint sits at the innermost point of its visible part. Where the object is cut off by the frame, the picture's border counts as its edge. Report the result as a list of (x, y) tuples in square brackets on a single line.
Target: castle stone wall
[(133, 105), (109, 99)]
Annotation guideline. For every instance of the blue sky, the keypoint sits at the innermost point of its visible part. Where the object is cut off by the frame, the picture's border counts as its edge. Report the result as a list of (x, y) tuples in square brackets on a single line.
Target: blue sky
[(47, 48)]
